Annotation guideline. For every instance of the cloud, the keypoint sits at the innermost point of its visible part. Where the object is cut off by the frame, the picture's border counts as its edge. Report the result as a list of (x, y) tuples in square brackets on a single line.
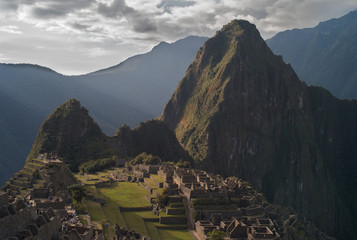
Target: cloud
[(140, 21), (133, 26), (10, 29), (166, 5), (58, 8)]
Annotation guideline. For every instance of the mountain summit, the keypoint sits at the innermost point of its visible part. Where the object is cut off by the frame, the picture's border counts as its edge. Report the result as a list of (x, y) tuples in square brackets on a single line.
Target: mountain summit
[(70, 132), (240, 110)]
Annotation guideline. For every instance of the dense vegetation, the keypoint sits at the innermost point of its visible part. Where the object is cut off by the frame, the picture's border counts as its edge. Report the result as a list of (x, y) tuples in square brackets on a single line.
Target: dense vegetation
[(147, 159), (97, 165)]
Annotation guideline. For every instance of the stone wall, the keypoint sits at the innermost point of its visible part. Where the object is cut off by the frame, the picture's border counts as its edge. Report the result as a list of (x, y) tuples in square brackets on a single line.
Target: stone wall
[(175, 211), (103, 184), (173, 220), (134, 209)]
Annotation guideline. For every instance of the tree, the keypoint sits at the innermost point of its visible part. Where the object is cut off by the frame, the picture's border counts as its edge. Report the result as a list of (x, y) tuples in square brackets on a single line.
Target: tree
[(217, 235), (78, 192)]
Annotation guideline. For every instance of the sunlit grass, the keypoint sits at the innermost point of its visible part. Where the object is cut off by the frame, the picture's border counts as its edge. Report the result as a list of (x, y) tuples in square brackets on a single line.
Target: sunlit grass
[(125, 194), (175, 234)]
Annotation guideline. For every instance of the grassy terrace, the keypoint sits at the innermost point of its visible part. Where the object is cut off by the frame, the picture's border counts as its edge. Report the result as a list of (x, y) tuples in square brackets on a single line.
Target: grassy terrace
[(149, 182), (156, 177), (130, 195)]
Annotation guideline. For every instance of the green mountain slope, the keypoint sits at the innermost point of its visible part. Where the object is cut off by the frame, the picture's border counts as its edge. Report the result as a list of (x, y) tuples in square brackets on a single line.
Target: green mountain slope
[(325, 55), (73, 135), (240, 110)]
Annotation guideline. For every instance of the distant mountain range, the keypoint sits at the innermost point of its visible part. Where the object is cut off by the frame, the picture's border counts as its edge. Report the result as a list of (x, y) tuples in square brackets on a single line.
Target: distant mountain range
[(325, 55), (147, 81), (134, 91)]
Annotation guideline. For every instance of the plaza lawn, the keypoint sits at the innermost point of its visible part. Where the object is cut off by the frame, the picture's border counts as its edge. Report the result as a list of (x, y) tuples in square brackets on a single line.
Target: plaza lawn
[(125, 194), (175, 234), (95, 211), (151, 228), (111, 211), (135, 220)]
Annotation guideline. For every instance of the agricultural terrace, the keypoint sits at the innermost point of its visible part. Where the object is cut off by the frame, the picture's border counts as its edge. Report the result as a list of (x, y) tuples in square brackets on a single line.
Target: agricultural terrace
[(127, 195)]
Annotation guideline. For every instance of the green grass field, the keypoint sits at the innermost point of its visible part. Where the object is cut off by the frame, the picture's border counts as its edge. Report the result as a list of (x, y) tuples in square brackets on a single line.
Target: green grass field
[(152, 230), (175, 234), (125, 194), (95, 211), (135, 220)]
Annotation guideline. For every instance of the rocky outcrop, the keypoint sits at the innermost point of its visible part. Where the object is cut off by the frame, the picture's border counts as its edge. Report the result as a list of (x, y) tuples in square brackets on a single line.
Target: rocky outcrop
[(240, 110)]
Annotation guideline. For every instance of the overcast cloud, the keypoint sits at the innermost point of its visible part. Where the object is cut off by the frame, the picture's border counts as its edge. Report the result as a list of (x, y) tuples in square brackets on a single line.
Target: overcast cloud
[(79, 36)]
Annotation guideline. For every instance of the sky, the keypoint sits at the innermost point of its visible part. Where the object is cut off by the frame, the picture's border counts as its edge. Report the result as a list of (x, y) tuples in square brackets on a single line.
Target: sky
[(79, 36)]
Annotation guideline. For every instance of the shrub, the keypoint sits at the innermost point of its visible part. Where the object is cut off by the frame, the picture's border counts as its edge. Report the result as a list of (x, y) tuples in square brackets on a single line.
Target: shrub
[(216, 235), (144, 158), (183, 164), (97, 165)]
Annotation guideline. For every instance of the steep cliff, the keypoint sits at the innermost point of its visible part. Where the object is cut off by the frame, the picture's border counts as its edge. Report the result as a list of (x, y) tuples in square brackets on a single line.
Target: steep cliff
[(240, 110)]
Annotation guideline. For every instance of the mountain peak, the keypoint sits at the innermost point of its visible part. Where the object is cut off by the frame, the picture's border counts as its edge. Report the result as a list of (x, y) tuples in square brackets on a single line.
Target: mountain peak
[(240, 110), (237, 25), (63, 129)]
